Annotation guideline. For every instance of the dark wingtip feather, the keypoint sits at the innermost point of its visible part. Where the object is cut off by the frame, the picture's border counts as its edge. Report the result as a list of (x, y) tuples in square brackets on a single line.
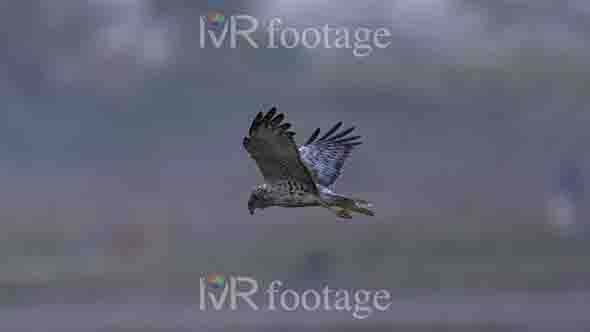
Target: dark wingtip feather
[(255, 122), (285, 126), (313, 137), (342, 134), (269, 115), (348, 139), (277, 120), (331, 131)]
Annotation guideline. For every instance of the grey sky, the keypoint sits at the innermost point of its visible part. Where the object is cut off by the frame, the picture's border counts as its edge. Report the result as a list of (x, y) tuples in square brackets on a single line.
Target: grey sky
[(466, 113)]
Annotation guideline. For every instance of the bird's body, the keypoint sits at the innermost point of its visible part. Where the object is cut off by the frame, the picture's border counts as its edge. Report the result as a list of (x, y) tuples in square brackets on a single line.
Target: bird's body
[(299, 176), (289, 194)]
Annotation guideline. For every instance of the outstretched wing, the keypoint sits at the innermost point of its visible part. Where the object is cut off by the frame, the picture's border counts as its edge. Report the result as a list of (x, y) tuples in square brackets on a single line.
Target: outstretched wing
[(271, 145), (325, 157)]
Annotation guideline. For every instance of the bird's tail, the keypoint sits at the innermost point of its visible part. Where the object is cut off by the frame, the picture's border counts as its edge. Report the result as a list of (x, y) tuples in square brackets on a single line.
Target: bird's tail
[(347, 204)]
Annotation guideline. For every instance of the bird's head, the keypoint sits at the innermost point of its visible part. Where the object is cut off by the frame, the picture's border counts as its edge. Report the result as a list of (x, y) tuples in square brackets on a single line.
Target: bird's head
[(258, 199)]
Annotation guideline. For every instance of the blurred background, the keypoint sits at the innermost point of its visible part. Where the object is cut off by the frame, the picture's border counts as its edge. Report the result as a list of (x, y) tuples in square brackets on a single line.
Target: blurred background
[(123, 178)]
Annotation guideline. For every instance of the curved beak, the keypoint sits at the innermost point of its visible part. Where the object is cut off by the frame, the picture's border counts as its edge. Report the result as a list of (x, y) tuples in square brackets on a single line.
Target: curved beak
[(251, 205)]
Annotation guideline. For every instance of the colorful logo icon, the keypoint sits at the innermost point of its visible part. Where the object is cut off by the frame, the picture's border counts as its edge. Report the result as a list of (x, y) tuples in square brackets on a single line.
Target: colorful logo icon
[(215, 280), (215, 20)]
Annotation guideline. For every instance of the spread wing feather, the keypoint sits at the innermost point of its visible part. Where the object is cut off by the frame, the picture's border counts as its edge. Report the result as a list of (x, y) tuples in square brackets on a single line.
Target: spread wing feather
[(273, 148), (325, 157)]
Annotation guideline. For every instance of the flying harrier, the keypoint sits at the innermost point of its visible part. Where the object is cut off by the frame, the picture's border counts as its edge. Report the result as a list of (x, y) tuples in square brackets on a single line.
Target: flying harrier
[(298, 176)]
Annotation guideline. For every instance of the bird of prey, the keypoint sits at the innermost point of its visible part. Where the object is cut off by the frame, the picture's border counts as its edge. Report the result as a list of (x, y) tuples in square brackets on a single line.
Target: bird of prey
[(298, 176)]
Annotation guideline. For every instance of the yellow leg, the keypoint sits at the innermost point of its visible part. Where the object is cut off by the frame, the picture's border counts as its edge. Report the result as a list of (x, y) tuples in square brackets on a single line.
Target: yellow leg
[(344, 213), (340, 212)]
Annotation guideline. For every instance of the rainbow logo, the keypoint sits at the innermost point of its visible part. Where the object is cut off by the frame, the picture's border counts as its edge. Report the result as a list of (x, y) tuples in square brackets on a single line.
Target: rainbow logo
[(215, 20), (215, 280)]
